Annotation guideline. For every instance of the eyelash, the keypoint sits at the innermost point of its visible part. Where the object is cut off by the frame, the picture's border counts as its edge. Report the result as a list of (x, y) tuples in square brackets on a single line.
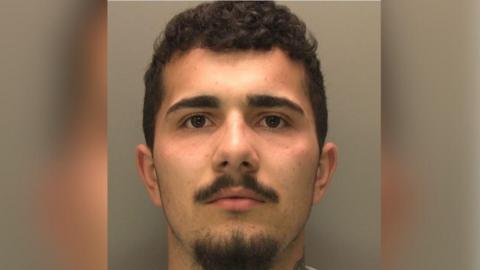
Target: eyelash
[(186, 120), (283, 121)]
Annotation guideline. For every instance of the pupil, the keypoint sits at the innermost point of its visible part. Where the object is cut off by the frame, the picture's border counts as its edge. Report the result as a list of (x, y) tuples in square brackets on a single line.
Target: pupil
[(273, 121), (198, 121)]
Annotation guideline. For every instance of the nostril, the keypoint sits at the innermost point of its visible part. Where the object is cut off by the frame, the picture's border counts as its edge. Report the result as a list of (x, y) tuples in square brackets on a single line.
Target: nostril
[(224, 163), (246, 164)]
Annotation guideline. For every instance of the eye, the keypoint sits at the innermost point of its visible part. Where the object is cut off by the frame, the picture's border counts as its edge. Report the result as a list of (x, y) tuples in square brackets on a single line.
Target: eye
[(273, 121), (197, 121)]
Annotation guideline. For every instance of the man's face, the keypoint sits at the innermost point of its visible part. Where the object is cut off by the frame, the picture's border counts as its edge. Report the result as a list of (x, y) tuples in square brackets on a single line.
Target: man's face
[(234, 114)]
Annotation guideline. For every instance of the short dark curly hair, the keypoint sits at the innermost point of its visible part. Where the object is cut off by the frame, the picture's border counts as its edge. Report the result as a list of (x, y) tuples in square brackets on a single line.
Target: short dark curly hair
[(233, 26)]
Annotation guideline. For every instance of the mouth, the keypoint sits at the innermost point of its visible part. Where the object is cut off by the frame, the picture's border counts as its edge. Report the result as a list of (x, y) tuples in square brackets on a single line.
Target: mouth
[(236, 200)]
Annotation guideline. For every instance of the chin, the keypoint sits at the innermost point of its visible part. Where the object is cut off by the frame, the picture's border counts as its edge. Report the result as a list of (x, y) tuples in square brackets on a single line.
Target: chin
[(235, 249), (226, 232)]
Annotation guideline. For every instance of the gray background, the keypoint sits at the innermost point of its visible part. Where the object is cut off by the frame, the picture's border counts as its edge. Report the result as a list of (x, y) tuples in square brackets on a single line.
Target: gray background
[(344, 229)]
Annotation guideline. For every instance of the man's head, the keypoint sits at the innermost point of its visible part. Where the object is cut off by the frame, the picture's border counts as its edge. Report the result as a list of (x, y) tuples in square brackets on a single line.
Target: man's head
[(235, 122), (228, 27)]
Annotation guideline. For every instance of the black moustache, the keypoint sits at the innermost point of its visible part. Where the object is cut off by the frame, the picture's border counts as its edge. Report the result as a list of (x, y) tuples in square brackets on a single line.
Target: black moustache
[(226, 181)]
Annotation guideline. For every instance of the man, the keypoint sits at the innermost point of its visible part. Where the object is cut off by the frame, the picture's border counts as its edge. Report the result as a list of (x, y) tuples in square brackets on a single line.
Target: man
[(235, 120)]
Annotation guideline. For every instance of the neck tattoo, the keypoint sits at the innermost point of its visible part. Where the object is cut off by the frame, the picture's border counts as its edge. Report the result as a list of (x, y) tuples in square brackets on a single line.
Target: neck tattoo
[(300, 265)]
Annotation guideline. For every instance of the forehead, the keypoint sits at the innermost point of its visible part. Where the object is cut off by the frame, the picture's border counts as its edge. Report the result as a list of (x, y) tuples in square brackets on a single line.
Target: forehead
[(234, 75)]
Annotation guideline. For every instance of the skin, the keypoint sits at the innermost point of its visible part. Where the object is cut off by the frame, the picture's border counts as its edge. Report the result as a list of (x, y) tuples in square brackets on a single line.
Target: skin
[(235, 139)]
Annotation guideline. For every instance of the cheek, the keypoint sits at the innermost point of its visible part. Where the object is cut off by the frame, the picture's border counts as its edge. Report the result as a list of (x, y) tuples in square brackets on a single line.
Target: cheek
[(292, 170), (179, 160), (179, 151), (180, 168), (298, 163)]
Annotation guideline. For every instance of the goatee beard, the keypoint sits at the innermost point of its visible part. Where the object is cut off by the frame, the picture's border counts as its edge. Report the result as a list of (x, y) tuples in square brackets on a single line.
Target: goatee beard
[(236, 252)]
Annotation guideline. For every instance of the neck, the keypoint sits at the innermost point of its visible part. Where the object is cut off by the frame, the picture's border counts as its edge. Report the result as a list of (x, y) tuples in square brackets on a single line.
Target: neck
[(292, 257), (180, 257)]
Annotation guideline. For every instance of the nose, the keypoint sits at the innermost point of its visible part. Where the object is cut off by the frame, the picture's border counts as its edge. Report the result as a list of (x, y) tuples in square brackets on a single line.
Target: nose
[(235, 152)]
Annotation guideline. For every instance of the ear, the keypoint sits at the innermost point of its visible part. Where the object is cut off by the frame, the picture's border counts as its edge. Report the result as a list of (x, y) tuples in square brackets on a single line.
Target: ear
[(325, 169), (146, 170)]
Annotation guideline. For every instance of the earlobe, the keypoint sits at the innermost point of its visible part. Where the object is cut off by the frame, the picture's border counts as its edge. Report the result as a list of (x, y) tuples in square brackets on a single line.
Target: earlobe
[(325, 169), (148, 174)]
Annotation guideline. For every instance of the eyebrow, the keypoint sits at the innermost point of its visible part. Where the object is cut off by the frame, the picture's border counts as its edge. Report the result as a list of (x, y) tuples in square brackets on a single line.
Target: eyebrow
[(267, 101), (259, 101), (195, 102)]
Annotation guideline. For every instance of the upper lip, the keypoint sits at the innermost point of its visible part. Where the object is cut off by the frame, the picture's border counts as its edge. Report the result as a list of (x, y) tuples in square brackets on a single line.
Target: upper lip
[(239, 193)]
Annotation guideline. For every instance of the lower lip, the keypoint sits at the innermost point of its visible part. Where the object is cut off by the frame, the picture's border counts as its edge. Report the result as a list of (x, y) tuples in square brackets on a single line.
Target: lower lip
[(236, 204)]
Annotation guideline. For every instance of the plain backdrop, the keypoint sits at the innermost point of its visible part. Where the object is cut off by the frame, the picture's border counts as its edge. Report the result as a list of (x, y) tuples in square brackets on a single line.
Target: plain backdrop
[(343, 231)]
